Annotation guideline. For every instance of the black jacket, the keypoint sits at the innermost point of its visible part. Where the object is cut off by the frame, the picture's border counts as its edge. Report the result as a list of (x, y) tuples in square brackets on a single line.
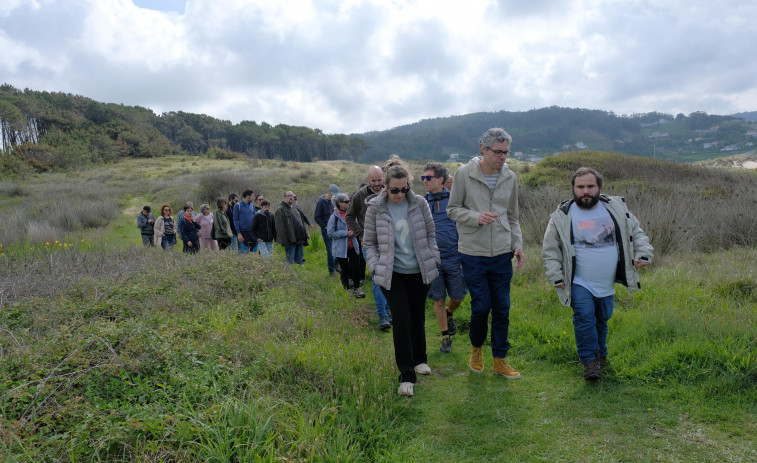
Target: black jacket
[(263, 226)]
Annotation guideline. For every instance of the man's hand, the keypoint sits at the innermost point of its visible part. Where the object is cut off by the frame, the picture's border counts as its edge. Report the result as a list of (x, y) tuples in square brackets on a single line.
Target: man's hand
[(640, 264), (240, 238), (486, 218), (520, 258)]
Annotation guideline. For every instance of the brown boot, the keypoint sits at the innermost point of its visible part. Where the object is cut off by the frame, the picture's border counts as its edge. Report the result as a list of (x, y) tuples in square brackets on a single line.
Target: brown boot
[(476, 359), (501, 367)]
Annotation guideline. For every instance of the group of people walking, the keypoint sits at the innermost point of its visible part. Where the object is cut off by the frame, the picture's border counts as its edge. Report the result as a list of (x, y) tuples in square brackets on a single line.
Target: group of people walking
[(459, 237)]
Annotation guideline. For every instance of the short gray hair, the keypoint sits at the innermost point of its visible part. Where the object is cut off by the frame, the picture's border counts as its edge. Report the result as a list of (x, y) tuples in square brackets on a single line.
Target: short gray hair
[(340, 198), (494, 135), (203, 207)]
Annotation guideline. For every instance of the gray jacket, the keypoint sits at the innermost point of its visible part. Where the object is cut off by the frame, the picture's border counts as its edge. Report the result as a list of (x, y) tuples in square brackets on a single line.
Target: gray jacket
[(470, 197), (378, 239), (559, 253)]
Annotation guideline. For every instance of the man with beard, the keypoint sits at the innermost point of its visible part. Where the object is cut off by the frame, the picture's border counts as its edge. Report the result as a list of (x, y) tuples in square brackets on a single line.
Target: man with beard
[(355, 219), (593, 241)]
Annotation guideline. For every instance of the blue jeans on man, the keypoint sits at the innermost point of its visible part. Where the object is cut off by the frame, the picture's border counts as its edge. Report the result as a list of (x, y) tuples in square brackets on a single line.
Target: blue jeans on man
[(234, 246), (488, 281), (265, 248), (249, 245), (295, 253), (330, 260), (382, 308), (590, 317)]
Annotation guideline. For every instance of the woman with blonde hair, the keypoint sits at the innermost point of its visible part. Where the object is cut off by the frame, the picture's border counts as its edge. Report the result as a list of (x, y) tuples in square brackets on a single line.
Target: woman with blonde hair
[(400, 247)]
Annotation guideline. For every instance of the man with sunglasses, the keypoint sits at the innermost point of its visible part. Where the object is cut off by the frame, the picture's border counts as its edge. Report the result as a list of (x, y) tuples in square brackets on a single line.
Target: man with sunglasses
[(484, 203), (450, 280)]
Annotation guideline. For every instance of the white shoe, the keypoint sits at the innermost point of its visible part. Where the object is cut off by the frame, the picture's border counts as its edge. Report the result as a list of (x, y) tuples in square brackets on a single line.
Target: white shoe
[(423, 369), (405, 389)]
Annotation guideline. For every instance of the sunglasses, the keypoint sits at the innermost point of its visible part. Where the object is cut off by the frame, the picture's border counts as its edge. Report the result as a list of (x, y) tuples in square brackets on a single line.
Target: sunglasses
[(427, 178), (345, 201), (394, 191)]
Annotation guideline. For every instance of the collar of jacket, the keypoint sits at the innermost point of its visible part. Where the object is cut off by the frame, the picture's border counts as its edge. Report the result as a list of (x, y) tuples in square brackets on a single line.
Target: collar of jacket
[(565, 205), (444, 194), (476, 172)]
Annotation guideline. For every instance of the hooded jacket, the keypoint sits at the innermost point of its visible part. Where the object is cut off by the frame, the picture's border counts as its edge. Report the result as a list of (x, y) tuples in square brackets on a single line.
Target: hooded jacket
[(470, 197), (378, 238), (559, 252)]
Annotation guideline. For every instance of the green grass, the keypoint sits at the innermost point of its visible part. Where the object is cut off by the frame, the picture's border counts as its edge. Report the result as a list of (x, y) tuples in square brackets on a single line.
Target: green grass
[(113, 352)]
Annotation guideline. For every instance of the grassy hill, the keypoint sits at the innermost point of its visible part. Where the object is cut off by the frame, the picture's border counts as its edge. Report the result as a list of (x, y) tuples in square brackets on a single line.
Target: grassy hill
[(113, 352)]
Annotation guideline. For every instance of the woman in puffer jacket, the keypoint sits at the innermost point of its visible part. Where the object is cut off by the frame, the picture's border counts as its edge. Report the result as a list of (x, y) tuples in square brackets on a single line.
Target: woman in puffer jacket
[(400, 246)]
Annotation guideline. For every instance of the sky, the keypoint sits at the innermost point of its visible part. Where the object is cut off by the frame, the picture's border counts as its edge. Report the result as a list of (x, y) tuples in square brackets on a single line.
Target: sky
[(354, 66)]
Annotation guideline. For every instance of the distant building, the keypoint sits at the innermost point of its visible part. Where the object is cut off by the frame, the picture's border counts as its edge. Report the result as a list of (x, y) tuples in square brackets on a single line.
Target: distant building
[(453, 157), (711, 144), (580, 145), (659, 135)]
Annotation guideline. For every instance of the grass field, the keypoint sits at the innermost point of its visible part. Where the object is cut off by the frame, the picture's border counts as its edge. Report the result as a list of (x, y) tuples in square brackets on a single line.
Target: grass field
[(113, 352)]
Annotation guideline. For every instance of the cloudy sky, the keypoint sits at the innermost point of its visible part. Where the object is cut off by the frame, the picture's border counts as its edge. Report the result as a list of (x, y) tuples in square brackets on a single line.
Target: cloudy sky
[(357, 65)]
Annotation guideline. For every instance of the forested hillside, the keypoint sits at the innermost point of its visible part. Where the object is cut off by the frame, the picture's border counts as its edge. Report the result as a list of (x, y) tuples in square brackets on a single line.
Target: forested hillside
[(44, 131), (546, 131), (57, 130)]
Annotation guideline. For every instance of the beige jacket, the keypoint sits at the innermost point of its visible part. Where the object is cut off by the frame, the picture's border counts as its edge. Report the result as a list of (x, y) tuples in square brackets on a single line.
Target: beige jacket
[(378, 238), (470, 197)]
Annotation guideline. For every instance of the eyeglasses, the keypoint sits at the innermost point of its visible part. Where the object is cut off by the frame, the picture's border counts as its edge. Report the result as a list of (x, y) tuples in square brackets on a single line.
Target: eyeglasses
[(498, 152), (290, 196), (427, 178), (394, 191), (345, 201)]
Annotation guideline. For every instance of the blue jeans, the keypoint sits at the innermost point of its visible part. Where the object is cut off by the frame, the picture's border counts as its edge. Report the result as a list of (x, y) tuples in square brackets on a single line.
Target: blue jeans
[(249, 245), (265, 248), (167, 240), (234, 243), (590, 316), (295, 253), (382, 309), (488, 281), (330, 261)]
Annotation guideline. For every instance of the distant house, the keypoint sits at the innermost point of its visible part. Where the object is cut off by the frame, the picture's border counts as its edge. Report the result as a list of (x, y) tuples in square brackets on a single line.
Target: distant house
[(580, 145), (659, 135), (711, 144), (453, 157), (751, 133), (730, 148), (518, 155)]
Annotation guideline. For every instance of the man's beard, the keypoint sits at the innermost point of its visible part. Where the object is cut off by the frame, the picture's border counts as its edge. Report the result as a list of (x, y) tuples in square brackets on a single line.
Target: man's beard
[(586, 202)]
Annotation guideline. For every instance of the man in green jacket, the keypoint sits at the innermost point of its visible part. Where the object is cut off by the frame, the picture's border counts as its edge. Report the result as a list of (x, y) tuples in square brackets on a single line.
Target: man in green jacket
[(290, 230), (593, 241), (484, 204)]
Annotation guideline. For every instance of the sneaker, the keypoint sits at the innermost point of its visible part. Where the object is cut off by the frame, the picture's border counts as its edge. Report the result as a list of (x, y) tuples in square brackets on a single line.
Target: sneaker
[(476, 359), (423, 369), (405, 389), (384, 323), (446, 345), (332, 274), (451, 326), (603, 363), (501, 367), (592, 370), (359, 294)]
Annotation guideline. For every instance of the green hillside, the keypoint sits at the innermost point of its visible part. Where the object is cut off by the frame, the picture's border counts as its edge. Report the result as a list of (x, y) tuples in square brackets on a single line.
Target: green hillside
[(113, 352)]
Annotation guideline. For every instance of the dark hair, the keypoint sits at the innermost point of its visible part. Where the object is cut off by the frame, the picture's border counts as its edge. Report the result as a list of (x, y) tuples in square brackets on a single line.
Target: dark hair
[(247, 193), (233, 196), (586, 171), (265, 202), (146, 208), (220, 202), (439, 170)]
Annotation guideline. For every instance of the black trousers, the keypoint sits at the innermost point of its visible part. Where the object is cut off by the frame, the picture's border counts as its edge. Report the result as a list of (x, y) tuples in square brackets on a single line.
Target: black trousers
[(349, 268), (407, 302)]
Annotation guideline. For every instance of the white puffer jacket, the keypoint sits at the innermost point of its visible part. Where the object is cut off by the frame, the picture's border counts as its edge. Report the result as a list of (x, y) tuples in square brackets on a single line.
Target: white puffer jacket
[(378, 238)]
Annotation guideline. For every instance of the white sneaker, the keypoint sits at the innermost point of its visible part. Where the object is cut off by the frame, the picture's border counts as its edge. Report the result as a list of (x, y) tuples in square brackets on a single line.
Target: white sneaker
[(405, 389), (423, 369)]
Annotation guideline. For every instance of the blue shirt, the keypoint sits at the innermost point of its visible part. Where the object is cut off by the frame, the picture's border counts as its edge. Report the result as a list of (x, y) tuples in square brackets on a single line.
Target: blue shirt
[(446, 229), (243, 213)]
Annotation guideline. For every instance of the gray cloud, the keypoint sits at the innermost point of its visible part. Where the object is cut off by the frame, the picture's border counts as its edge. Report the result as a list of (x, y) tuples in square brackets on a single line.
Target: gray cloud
[(371, 65)]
